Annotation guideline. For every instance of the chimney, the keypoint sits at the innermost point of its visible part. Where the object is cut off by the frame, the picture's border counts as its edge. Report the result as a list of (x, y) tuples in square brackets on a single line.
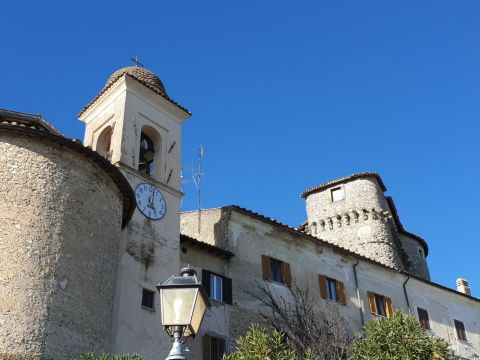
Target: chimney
[(462, 286)]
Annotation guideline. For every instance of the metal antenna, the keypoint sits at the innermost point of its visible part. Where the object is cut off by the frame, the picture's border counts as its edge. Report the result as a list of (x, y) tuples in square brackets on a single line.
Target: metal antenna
[(136, 61)]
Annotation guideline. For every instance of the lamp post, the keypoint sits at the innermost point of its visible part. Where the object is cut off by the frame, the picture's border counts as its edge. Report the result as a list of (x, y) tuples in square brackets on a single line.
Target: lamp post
[(184, 302)]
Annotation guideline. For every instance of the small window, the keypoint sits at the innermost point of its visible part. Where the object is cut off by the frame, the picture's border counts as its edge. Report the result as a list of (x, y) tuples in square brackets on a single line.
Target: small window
[(423, 318), (421, 253), (460, 327), (213, 347), (337, 194), (216, 285), (148, 299), (332, 289), (380, 305), (276, 271)]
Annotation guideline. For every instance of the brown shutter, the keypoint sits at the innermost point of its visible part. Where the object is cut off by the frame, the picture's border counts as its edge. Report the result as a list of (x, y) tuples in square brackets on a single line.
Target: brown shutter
[(287, 274), (341, 293), (388, 306), (265, 267), (322, 280), (371, 300), (227, 290), (207, 349), (221, 347)]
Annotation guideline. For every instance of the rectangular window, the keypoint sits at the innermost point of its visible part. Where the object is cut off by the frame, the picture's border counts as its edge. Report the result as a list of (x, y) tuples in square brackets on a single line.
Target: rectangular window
[(380, 305), (337, 194), (460, 327), (332, 289), (276, 270), (218, 287), (213, 347), (148, 299), (423, 318)]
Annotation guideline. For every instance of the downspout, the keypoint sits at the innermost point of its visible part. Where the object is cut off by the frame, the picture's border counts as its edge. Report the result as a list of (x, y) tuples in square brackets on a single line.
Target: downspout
[(362, 319), (405, 292)]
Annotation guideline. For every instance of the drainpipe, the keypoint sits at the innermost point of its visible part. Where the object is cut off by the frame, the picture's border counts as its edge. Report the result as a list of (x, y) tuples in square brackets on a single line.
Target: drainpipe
[(362, 319), (405, 292)]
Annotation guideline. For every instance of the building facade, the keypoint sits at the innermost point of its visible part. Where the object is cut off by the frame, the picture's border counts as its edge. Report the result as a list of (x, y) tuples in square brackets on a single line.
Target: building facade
[(88, 230)]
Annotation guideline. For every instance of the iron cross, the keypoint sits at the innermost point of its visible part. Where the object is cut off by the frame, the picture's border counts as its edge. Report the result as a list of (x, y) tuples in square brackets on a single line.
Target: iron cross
[(137, 61)]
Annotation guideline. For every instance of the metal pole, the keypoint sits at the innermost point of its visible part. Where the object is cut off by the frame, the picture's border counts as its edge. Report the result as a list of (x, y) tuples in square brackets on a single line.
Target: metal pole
[(176, 352)]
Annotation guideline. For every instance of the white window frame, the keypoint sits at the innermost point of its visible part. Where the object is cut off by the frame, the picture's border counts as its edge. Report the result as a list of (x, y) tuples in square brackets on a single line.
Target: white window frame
[(213, 287)]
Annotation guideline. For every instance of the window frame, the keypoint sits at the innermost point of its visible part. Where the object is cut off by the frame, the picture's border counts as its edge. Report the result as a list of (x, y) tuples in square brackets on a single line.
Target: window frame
[(386, 302), (276, 268), (424, 319), (460, 330), (226, 288), (213, 287), (143, 302), (285, 270), (211, 343), (325, 292), (334, 189)]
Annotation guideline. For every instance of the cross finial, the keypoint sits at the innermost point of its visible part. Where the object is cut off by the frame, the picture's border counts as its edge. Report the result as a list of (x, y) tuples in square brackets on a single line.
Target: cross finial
[(136, 61)]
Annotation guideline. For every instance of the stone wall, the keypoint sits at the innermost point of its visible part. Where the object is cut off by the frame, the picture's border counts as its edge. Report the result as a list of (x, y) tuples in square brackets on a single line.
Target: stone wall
[(360, 222), (60, 222)]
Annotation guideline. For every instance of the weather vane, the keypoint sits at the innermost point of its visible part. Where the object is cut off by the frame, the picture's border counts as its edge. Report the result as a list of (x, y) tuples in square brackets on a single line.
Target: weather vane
[(137, 61)]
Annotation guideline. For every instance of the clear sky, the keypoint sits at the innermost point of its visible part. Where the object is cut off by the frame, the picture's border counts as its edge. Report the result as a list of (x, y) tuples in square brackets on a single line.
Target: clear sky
[(285, 95)]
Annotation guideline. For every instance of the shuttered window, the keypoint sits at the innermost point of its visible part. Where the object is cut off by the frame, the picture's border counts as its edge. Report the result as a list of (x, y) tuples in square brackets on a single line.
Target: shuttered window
[(423, 318), (276, 270), (460, 328), (218, 287), (332, 289), (213, 347), (380, 305)]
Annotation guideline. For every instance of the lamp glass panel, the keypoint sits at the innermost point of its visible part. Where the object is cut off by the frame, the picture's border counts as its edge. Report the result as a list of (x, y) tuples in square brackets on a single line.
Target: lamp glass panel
[(198, 311), (177, 306)]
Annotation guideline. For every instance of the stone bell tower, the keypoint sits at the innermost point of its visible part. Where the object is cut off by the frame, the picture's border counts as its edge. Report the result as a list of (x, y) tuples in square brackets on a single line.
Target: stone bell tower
[(135, 125)]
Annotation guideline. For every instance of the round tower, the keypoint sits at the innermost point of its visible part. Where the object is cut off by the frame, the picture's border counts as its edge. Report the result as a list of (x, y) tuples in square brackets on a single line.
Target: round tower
[(352, 213), (62, 209)]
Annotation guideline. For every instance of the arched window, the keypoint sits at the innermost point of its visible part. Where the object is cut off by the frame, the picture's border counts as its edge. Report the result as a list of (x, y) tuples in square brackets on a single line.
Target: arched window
[(103, 143), (149, 156)]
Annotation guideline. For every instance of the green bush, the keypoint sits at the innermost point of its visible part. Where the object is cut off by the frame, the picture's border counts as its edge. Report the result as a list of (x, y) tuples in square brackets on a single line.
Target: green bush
[(399, 337)]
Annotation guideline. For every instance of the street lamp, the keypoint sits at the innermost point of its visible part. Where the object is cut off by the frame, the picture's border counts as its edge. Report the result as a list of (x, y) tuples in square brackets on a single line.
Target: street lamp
[(184, 302)]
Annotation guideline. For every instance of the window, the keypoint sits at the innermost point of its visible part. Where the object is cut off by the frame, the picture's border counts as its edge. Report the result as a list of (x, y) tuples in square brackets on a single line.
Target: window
[(213, 347), (218, 287), (148, 299), (276, 270), (332, 289), (380, 305), (460, 327), (337, 194), (423, 318), (421, 253)]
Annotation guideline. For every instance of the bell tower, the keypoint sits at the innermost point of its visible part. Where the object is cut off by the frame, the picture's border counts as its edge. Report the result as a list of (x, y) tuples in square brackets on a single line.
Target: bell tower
[(135, 125)]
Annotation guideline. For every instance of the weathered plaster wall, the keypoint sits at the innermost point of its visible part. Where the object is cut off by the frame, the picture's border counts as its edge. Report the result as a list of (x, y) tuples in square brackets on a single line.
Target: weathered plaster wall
[(59, 228), (360, 222), (210, 225)]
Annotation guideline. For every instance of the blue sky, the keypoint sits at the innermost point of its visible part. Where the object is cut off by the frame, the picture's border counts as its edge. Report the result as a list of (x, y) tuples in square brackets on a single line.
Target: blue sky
[(285, 95)]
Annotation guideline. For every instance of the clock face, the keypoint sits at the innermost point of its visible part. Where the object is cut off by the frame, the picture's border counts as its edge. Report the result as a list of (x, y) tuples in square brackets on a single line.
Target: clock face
[(150, 201)]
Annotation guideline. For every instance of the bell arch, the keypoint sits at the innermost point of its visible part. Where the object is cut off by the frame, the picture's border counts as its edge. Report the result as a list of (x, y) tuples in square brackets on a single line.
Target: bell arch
[(104, 142), (149, 158)]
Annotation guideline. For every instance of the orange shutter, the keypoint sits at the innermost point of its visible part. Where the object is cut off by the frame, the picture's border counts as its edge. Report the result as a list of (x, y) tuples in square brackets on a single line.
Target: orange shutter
[(207, 351), (341, 293), (371, 300), (323, 286), (287, 274), (388, 306), (265, 267)]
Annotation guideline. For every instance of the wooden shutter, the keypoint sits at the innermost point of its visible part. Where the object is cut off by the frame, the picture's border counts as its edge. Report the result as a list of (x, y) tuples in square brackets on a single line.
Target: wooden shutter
[(322, 280), (265, 267), (207, 349), (206, 281), (287, 274), (371, 301), (423, 318), (341, 292), (221, 347), (227, 290), (388, 306)]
